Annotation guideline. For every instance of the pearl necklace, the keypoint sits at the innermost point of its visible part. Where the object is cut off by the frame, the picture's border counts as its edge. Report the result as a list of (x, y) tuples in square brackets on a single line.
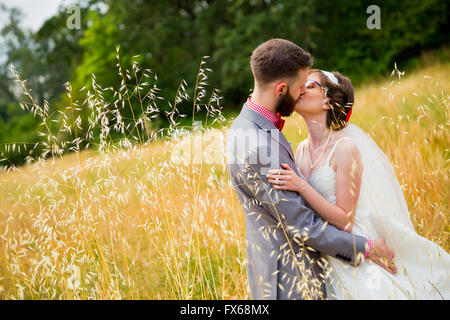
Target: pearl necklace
[(312, 166)]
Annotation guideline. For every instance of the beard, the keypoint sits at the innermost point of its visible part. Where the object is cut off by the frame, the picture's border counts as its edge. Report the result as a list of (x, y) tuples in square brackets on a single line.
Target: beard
[(286, 105)]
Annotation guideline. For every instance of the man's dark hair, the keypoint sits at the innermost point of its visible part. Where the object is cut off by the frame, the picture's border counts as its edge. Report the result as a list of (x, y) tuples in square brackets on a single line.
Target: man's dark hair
[(276, 59)]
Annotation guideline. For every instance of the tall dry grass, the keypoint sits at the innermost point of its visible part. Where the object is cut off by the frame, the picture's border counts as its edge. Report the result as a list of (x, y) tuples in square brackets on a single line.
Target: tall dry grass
[(143, 219)]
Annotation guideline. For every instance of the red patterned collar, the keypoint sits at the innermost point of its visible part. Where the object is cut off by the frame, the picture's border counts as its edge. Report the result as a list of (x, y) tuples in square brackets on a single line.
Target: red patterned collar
[(275, 119)]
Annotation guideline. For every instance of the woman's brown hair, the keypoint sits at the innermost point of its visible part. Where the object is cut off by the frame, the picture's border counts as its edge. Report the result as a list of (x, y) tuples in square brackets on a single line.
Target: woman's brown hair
[(341, 97)]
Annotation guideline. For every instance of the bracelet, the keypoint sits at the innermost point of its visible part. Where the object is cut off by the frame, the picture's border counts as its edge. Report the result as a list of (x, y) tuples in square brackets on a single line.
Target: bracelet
[(369, 242)]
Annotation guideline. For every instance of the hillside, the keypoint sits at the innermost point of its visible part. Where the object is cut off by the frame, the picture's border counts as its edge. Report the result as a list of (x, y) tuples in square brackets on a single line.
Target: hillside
[(146, 224)]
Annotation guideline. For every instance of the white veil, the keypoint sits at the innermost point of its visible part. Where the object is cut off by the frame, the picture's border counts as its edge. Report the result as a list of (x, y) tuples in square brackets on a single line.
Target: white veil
[(422, 260), (380, 183)]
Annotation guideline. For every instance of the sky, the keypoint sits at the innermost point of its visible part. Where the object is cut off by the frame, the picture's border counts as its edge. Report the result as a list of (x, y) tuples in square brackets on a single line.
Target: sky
[(35, 11)]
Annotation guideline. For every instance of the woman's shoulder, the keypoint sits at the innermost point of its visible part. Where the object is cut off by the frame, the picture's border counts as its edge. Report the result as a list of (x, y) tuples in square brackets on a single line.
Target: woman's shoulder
[(346, 145), (345, 150)]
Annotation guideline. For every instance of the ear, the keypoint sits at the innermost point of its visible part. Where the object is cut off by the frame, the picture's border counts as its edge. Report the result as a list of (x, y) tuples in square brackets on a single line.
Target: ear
[(281, 89)]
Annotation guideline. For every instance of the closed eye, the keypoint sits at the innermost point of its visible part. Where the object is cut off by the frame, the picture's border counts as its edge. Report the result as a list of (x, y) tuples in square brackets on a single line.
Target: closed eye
[(310, 84)]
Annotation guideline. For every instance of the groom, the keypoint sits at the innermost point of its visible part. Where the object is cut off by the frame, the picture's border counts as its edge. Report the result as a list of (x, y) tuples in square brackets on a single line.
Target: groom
[(284, 236)]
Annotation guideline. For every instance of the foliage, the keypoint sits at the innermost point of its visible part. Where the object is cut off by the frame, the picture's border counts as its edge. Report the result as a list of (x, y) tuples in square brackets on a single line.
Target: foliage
[(170, 37)]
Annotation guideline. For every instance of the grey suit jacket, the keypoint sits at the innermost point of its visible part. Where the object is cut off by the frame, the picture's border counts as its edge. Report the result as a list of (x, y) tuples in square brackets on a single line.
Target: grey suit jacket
[(284, 236)]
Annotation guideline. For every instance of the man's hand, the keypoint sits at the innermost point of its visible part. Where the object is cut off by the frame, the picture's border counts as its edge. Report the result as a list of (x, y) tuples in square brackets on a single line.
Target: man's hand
[(382, 255)]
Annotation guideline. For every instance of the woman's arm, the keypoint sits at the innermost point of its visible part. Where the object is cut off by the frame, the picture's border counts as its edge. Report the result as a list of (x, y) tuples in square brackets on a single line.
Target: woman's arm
[(348, 183)]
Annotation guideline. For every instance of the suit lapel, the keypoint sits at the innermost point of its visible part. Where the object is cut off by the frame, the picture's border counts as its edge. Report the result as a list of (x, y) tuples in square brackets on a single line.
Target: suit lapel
[(281, 139), (267, 125)]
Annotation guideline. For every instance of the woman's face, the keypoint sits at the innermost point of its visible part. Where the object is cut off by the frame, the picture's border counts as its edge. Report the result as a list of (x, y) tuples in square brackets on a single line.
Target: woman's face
[(314, 100)]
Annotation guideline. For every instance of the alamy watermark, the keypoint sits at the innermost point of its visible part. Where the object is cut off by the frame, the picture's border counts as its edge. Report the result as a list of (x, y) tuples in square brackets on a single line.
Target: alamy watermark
[(73, 21), (374, 20), (237, 146)]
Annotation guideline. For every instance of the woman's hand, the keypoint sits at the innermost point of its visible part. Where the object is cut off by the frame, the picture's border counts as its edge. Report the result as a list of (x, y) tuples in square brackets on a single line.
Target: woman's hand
[(285, 179)]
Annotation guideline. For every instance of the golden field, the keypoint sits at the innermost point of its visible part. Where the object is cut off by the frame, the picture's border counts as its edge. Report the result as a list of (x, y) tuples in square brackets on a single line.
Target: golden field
[(144, 223)]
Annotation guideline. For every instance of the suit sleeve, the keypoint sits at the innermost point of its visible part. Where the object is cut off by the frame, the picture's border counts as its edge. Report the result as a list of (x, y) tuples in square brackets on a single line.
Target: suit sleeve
[(300, 222)]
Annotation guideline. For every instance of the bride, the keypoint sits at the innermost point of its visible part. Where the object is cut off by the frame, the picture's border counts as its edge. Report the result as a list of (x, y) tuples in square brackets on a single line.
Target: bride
[(351, 184)]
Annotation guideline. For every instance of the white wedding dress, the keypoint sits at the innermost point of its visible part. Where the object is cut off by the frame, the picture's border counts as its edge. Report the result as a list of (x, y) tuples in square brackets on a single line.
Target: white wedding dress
[(422, 266)]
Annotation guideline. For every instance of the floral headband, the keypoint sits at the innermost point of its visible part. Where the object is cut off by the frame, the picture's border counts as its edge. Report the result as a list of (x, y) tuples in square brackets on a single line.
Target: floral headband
[(331, 77)]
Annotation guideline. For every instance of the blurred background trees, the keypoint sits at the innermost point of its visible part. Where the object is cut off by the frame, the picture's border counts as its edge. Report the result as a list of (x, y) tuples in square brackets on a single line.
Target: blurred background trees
[(171, 37)]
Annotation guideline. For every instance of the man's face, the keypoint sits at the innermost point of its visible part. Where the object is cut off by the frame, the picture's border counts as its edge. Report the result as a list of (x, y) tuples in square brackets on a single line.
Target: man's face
[(286, 103)]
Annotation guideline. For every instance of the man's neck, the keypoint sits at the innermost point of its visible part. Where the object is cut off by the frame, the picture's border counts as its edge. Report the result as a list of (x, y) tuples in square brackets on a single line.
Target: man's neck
[(264, 99)]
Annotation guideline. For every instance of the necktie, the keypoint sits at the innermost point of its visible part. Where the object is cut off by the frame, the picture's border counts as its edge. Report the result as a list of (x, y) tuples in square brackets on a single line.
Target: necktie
[(280, 123)]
